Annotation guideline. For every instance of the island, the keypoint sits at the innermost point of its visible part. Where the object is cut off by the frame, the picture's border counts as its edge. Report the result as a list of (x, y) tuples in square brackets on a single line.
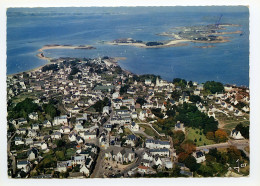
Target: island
[(182, 35)]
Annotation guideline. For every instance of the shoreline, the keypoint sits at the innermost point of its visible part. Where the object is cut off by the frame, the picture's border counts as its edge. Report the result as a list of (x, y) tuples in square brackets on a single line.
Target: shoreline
[(171, 43), (47, 47)]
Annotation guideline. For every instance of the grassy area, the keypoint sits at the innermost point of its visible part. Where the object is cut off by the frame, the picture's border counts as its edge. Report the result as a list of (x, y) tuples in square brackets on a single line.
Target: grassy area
[(193, 134), (231, 125), (70, 152), (127, 131), (148, 130)]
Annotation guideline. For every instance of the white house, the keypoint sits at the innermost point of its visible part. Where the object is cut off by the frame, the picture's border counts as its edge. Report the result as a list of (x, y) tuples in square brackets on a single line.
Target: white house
[(199, 156), (236, 134), (32, 154), (18, 141), (23, 165), (156, 144), (84, 170), (33, 115), (60, 120), (134, 127), (179, 126)]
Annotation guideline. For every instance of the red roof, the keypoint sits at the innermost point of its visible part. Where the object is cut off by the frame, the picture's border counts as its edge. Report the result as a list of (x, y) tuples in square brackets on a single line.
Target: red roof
[(142, 167)]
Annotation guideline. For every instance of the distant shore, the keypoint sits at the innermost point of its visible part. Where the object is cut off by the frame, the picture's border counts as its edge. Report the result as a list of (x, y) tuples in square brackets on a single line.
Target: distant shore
[(171, 43), (54, 46)]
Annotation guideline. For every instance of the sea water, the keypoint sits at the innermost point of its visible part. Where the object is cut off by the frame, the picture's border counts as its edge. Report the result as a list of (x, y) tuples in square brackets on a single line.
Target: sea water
[(28, 29)]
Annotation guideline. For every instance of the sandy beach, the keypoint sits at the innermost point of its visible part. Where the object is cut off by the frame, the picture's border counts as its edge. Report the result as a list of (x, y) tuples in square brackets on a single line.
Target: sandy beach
[(47, 47), (171, 43)]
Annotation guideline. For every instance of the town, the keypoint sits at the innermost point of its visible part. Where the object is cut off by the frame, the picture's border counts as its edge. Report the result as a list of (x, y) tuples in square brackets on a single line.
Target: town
[(88, 118)]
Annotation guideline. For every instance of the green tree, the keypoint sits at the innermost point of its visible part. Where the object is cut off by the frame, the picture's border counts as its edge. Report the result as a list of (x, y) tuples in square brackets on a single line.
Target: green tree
[(214, 87), (191, 163)]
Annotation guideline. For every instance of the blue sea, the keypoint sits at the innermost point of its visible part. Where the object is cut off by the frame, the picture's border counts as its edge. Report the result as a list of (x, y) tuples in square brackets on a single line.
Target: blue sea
[(28, 29)]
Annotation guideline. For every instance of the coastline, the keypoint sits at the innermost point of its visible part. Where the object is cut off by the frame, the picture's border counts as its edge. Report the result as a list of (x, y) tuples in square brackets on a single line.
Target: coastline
[(47, 47), (171, 43)]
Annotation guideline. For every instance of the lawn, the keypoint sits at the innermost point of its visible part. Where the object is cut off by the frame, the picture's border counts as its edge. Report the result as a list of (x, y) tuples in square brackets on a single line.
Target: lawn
[(231, 125), (148, 130), (193, 134), (70, 152)]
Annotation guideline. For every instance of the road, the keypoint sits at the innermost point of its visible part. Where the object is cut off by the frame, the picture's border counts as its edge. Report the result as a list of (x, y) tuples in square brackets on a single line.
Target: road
[(96, 171), (240, 144), (139, 153)]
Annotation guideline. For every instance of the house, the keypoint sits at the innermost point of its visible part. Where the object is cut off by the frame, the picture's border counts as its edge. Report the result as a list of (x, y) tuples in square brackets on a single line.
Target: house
[(197, 92), (46, 123), (28, 141), (18, 141), (79, 140), (35, 126), (32, 154), (142, 169), (166, 162), (120, 155), (160, 152), (147, 81), (134, 127), (65, 130), (145, 170), (44, 146), (84, 170), (146, 163), (60, 120), (106, 110), (62, 166), (72, 137), (56, 135), (199, 156), (78, 160), (108, 127), (236, 134), (23, 165), (33, 116), (147, 156), (32, 133), (238, 113), (89, 135), (179, 126), (156, 144), (131, 139), (78, 127)]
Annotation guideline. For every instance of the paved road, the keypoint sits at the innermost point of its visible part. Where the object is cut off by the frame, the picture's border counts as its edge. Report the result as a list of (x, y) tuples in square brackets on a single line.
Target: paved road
[(9, 143), (238, 143), (96, 171)]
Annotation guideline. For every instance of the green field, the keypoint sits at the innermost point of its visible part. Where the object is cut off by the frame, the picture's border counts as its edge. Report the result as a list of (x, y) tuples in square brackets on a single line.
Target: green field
[(148, 130), (192, 135)]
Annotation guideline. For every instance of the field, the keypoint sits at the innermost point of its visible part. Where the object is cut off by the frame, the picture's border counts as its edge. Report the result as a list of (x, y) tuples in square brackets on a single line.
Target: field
[(148, 130), (193, 134)]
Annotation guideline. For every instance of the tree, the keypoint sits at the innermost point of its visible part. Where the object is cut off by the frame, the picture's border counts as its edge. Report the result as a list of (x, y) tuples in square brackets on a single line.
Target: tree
[(191, 163), (182, 157), (243, 130), (221, 135), (180, 82), (188, 146), (141, 101), (214, 87), (170, 113), (60, 155), (195, 98), (175, 95)]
